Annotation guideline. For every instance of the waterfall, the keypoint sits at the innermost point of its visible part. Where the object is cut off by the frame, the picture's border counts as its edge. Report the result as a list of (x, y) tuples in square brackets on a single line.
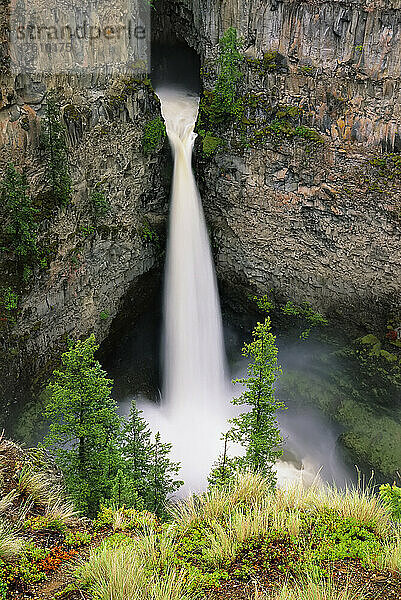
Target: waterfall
[(195, 392)]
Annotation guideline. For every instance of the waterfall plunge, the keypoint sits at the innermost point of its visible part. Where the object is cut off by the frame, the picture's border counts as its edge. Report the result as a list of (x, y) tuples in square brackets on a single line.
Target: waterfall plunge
[(195, 403)]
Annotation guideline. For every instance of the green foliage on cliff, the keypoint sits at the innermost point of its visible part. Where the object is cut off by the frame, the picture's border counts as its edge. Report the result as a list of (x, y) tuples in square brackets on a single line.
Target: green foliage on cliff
[(225, 103), (210, 143), (99, 202), (147, 233), (153, 135), (55, 152), (8, 304), (253, 119), (299, 315), (19, 229), (304, 312), (280, 129), (103, 456), (388, 166), (271, 60), (355, 384), (222, 105)]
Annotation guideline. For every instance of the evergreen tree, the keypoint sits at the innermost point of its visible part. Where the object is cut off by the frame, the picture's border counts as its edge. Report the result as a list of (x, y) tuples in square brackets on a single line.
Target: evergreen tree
[(148, 475), (103, 456), (20, 228), (54, 143), (124, 492), (223, 469), (229, 61), (256, 429), (85, 426), (161, 478), (136, 453)]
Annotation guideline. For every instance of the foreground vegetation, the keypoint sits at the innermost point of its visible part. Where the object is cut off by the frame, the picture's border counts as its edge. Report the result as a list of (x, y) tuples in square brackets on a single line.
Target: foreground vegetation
[(243, 540), (247, 541)]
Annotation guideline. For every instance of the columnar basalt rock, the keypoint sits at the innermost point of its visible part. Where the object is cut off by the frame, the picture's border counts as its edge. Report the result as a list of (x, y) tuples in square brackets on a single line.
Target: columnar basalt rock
[(347, 53)]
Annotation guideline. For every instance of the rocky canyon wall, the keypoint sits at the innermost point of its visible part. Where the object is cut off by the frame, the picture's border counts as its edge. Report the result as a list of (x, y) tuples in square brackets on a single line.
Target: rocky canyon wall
[(317, 222), (97, 261), (323, 225)]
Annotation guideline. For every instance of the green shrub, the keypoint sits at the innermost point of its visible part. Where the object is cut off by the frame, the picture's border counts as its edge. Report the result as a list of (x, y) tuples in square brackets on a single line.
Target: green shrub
[(55, 151), (391, 496), (8, 304), (45, 522), (220, 106), (100, 203), (19, 229), (124, 519), (29, 567), (270, 60), (147, 233), (154, 133), (210, 144), (75, 539)]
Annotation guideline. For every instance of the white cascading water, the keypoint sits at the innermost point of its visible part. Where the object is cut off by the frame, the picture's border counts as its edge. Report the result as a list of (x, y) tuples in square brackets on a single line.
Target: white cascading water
[(195, 401)]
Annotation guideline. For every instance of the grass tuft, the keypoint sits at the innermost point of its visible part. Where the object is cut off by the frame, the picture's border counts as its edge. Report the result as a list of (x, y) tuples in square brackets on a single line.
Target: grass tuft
[(11, 545), (312, 590)]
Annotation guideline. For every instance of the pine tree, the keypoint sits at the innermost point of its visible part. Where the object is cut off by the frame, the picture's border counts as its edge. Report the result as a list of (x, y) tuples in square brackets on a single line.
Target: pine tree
[(223, 469), (54, 143), (256, 429), (20, 227), (84, 428), (161, 478), (136, 452)]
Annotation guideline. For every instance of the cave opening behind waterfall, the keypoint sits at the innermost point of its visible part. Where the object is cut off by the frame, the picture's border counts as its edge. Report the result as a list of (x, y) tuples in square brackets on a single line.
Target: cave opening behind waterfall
[(175, 64)]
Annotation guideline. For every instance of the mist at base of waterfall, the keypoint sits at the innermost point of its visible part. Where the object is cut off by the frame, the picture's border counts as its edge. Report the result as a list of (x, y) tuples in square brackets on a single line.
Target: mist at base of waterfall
[(311, 440)]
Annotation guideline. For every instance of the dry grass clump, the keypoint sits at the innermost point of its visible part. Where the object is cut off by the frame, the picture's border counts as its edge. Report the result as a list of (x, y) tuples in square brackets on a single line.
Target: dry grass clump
[(247, 489), (7, 501), (11, 544), (120, 573), (312, 590), (222, 544), (391, 554), (41, 488), (356, 502), (35, 484), (28, 483), (61, 509)]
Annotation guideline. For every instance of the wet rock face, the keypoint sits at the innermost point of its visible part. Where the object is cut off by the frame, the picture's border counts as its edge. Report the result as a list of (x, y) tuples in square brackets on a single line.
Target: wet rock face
[(307, 228)]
